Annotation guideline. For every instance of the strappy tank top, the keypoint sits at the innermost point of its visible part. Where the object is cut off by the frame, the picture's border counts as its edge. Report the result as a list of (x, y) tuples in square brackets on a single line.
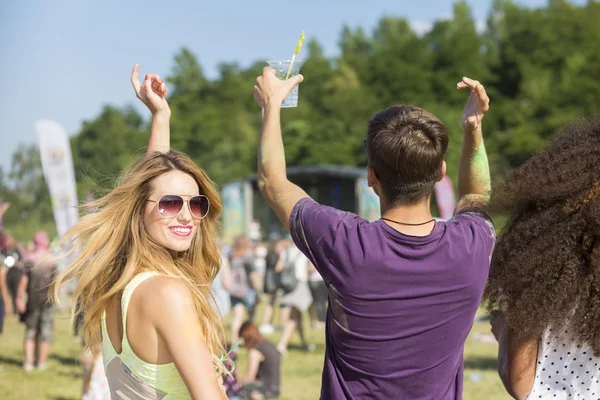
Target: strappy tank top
[(128, 376)]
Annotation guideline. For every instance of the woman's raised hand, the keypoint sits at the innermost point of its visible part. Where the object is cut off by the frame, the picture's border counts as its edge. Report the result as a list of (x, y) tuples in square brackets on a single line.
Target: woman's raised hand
[(152, 92)]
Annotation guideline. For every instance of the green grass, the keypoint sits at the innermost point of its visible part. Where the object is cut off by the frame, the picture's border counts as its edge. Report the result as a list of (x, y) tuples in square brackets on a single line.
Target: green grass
[(301, 374)]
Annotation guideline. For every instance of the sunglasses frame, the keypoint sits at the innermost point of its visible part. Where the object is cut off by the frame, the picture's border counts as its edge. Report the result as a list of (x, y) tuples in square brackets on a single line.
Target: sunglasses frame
[(184, 201)]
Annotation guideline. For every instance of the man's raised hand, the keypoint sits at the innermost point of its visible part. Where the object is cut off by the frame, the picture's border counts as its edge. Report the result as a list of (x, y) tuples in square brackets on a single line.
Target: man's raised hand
[(477, 104), (270, 89)]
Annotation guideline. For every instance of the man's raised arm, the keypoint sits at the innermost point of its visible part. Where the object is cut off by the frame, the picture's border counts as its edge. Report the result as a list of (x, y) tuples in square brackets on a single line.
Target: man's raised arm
[(281, 194), (474, 184)]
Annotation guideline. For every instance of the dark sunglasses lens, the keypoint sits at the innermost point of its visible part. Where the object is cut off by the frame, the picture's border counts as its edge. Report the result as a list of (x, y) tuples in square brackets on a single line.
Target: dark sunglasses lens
[(169, 206), (199, 206)]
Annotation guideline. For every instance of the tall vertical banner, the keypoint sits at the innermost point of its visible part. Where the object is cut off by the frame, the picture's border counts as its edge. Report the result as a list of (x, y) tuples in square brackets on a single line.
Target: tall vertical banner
[(57, 165), (445, 197)]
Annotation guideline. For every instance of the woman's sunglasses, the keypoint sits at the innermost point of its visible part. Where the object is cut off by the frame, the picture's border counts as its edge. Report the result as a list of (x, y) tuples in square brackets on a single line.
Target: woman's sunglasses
[(170, 205)]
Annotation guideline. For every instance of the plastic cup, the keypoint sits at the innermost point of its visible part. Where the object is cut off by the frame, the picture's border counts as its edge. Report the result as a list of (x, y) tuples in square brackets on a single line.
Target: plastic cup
[(282, 67)]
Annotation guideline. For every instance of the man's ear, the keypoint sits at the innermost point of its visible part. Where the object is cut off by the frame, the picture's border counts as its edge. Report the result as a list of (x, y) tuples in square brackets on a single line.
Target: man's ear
[(442, 171), (372, 180), (371, 177)]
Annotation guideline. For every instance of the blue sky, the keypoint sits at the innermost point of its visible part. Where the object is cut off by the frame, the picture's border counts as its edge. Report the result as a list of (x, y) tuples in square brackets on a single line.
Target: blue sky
[(63, 60)]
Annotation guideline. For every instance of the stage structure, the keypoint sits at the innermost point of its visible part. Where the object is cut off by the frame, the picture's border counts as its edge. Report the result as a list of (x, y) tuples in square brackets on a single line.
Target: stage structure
[(341, 187)]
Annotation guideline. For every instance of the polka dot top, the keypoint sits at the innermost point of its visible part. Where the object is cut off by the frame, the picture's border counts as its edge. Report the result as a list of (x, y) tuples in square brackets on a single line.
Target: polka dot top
[(565, 370)]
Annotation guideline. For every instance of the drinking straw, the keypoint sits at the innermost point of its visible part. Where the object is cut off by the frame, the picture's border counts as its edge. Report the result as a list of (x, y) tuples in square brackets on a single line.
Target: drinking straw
[(298, 47), (226, 357)]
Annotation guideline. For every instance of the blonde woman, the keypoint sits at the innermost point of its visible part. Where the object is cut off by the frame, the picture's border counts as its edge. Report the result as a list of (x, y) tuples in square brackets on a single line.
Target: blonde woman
[(145, 261)]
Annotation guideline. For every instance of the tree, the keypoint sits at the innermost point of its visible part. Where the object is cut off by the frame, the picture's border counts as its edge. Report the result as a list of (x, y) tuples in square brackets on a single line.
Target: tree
[(105, 146), (457, 51), (26, 190), (540, 67)]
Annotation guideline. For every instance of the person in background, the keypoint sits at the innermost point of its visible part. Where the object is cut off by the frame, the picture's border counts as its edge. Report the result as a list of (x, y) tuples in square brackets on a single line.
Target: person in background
[(274, 263), (4, 298), (297, 301), (544, 284), (254, 231), (221, 285), (263, 368), (13, 259), (95, 384), (243, 294), (38, 312), (5, 302), (318, 290), (221, 302), (260, 265)]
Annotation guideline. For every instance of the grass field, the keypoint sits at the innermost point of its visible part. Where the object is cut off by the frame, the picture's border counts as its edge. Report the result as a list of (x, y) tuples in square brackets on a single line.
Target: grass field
[(301, 373)]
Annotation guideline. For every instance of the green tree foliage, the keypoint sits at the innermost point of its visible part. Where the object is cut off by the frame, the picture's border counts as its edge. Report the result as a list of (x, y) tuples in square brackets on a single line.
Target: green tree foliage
[(26, 191), (99, 148), (540, 66)]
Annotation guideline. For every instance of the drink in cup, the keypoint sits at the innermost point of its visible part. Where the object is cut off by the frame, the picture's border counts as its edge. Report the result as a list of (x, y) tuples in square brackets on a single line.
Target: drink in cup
[(282, 67)]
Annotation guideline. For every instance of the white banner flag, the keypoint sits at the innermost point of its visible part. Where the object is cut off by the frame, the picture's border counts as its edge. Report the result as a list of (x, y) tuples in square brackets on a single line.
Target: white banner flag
[(57, 164)]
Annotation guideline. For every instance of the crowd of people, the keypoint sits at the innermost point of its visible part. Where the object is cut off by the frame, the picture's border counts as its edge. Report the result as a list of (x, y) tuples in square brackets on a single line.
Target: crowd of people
[(277, 274), (396, 297), (280, 274)]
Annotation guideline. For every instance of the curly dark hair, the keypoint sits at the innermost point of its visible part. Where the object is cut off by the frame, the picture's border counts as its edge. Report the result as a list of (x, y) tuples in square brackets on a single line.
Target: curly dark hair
[(546, 265)]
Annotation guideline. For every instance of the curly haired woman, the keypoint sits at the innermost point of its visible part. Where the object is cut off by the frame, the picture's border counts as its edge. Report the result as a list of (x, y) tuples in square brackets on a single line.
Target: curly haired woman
[(544, 283)]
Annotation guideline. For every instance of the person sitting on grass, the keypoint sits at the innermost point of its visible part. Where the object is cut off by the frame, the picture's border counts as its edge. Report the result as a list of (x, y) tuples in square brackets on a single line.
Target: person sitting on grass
[(261, 380)]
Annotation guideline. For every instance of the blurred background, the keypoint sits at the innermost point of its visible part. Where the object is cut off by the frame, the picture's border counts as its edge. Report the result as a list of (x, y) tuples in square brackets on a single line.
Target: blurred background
[(70, 62)]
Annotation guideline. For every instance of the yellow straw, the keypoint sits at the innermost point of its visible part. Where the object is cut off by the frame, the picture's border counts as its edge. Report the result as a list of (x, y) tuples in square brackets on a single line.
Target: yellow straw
[(298, 47)]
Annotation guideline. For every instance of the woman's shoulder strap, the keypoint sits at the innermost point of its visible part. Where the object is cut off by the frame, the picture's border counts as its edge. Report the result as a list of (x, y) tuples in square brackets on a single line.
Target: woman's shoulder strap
[(128, 292)]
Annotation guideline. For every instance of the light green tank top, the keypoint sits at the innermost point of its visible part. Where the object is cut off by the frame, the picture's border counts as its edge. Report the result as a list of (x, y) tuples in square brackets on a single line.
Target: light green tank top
[(128, 376)]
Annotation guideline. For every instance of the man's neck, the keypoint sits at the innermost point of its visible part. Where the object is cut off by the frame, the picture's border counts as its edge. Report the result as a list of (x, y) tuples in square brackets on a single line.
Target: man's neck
[(412, 214)]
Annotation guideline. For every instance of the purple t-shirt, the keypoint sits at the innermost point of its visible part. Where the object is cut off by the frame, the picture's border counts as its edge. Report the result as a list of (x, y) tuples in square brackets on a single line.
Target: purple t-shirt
[(400, 307)]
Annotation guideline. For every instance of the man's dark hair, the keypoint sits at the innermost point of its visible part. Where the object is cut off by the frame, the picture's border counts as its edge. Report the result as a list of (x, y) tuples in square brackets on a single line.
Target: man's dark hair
[(406, 146)]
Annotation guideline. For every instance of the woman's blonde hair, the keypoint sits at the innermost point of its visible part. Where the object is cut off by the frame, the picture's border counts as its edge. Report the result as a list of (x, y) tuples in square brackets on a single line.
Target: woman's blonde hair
[(110, 246)]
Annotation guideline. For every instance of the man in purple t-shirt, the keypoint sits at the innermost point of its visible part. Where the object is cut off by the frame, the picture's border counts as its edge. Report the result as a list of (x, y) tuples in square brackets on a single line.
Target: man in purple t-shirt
[(403, 290)]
